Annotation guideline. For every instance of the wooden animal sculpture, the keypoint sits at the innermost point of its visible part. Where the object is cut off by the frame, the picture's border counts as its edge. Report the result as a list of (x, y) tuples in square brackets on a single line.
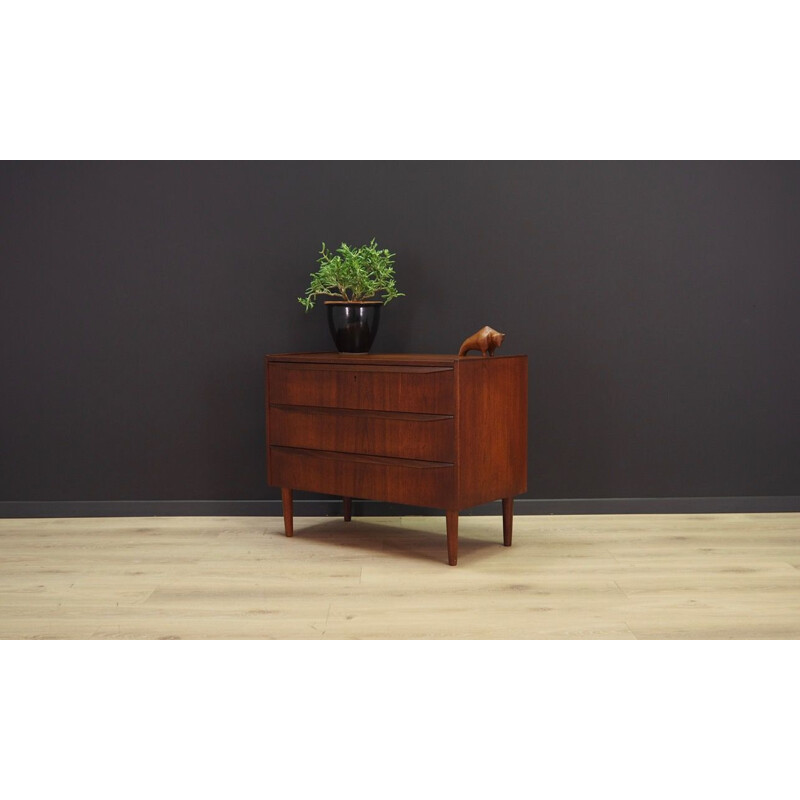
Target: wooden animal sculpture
[(486, 340)]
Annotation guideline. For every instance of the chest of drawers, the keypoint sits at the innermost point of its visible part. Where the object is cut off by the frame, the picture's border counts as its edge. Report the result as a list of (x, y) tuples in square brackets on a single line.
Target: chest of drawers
[(430, 430)]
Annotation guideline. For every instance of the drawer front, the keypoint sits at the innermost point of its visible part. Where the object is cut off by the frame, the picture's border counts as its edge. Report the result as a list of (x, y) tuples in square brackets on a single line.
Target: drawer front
[(428, 390), (371, 477), (428, 437)]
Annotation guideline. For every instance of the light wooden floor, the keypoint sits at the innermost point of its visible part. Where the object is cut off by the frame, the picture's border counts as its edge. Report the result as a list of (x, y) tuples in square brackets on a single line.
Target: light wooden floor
[(579, 577)]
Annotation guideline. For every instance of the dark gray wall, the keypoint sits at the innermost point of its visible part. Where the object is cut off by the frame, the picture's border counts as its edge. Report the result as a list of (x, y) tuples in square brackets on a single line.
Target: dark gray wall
[(658, 303)]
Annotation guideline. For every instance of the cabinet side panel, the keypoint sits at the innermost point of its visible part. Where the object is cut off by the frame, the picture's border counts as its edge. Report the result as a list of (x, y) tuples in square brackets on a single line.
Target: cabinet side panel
[(492, 429), (266, 407)]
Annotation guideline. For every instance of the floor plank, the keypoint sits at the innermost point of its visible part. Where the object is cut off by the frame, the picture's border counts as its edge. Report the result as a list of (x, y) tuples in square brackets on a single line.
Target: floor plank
[(698, 576)]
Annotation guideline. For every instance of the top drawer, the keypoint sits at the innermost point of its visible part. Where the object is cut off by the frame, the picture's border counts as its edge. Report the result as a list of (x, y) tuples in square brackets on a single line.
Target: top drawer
[(378, 388)]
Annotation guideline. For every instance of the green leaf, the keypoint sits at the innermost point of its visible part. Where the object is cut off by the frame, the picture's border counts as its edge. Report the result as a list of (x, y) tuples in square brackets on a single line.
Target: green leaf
[(352, 273)]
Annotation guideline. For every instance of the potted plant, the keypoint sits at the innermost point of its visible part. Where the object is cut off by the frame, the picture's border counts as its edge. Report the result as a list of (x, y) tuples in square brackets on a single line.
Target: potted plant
[(354, 274)]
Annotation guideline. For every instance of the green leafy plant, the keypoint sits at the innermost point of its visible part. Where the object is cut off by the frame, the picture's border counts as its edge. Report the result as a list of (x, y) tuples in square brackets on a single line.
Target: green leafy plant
[(352, 273)]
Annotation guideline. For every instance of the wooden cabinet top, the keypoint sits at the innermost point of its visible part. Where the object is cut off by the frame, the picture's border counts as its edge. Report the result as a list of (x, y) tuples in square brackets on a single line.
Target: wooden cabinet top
[(388, 359)]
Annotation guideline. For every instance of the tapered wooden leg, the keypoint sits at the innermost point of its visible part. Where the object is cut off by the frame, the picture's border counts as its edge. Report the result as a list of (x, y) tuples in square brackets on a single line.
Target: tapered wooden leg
[(347, 503), (288, 515), (452, 537), (508, 518)]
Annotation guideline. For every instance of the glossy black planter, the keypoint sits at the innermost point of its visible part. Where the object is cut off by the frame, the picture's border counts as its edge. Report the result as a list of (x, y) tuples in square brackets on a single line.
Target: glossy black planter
[(353, 325)]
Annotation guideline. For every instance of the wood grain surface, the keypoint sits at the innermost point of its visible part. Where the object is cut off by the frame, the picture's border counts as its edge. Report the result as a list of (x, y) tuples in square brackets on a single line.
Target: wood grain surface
[(492, 429), (367, 427), (428, 437), (701, 576), (427, 390)]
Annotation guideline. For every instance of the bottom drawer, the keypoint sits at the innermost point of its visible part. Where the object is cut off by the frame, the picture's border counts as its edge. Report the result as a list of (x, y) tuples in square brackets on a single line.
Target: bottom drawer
[(395, 480)]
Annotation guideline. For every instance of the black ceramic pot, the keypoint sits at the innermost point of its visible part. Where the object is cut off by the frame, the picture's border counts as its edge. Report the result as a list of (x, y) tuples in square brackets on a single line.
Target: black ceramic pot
[(353, 325)]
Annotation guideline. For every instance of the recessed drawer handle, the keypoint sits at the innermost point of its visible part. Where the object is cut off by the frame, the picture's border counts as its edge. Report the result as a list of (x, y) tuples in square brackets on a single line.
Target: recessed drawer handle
[(408, 416), (363, 459), (353, 368)]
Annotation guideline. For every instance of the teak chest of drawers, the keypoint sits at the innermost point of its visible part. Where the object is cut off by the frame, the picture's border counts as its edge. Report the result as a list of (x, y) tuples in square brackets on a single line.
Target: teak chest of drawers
[(430, 430)]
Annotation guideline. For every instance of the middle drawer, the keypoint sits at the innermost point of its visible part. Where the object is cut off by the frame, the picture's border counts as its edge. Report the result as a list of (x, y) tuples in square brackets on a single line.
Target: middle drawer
[(427, 437)]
